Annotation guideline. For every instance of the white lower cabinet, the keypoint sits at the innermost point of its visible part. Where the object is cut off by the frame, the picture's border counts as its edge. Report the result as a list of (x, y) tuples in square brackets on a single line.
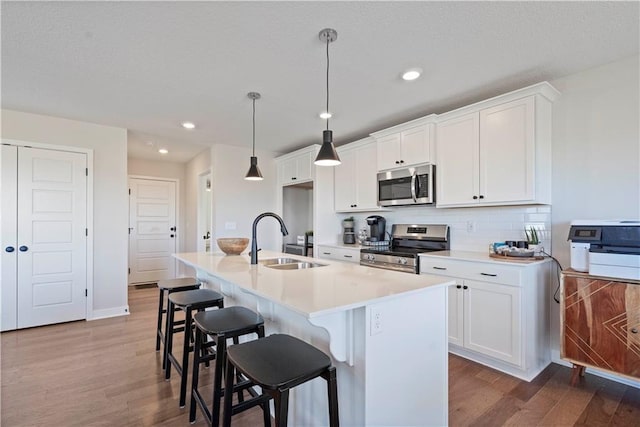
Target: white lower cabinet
[(339, 253), (498, 313)]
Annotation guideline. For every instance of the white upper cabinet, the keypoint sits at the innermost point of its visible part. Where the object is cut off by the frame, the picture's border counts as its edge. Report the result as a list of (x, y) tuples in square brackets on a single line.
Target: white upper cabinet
[(406, 145), (298, 166), (496, 152), (355, 181)]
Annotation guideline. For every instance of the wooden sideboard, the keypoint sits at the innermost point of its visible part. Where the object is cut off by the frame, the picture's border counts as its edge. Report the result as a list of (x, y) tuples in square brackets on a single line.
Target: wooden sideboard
[(600, 324)]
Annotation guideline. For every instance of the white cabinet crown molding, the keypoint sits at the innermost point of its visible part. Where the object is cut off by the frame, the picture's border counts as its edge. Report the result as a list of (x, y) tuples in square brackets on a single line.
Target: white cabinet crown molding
[(543, 89), (292, 154), (431, 118)]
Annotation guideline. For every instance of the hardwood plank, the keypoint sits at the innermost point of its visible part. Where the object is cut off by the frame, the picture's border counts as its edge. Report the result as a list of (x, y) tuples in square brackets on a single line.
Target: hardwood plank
[(628, 412)]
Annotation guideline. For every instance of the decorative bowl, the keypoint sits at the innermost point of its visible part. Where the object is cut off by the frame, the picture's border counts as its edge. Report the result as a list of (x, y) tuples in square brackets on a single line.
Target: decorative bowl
[(233, 245)]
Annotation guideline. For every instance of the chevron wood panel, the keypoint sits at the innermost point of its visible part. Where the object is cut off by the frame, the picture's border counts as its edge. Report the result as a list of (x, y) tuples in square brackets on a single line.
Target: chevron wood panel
[(601, 323)]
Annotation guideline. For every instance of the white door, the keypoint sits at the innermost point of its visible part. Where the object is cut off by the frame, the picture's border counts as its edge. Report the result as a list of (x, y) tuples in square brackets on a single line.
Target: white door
[(9, 236), (51, 236), (152, 230)]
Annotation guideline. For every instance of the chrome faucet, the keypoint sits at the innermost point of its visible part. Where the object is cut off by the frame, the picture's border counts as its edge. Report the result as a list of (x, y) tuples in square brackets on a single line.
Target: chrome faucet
[(254, 243)]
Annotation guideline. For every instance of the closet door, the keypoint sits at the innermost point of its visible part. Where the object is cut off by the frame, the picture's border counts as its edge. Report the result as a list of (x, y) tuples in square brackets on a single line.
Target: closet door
[(9, 236), (51, 242)]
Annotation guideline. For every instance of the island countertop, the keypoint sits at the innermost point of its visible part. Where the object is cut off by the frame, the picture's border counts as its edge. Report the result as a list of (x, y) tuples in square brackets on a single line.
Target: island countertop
[(336, 286)]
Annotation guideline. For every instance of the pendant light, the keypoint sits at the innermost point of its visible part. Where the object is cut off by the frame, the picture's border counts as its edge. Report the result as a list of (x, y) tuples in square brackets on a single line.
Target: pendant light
[(327, 156), (254, 173)]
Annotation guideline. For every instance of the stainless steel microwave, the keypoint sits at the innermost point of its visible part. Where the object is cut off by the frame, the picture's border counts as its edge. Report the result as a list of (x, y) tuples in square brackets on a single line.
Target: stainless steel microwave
[(409, 186)]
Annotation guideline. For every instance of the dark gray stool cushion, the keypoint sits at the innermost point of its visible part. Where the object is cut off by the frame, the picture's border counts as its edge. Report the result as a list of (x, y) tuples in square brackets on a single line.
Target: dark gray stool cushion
[(231, 320), (196, 297), (182, 282)]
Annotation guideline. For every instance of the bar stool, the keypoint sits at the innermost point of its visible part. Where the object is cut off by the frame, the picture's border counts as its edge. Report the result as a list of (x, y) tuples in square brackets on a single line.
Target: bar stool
[(222, 325), (170, 286), (188, 301), (278, 363)]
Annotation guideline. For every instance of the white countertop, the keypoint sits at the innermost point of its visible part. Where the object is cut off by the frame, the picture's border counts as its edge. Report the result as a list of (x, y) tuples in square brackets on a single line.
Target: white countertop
[(338, 286), (481, 257)]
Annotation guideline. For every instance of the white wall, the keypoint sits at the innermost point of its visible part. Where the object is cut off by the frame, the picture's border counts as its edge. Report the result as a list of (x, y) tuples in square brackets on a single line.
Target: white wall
[(171, 170), (236, 200), (110, 218), (596, 154)]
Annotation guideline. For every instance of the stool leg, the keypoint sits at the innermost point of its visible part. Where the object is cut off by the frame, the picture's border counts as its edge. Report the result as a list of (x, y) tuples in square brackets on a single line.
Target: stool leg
[(195, 375), (238, 375), (281, 400), (185, 356), (168, 340), (266, 414), (332, 388), (221, 358), (228, 392), (159, 331)]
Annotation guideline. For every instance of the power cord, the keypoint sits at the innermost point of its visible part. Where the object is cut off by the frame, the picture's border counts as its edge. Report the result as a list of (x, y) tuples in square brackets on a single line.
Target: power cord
[(558, 270)]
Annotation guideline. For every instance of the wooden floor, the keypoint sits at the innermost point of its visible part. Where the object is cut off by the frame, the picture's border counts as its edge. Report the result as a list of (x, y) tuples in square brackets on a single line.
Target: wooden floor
[(106, 373)]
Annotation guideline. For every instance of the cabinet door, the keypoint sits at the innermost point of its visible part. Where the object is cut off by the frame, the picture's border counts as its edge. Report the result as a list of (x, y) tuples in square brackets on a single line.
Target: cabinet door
[(458, 153), (492, 324), (366, 181), (456, 314), (389, 151), (601, 324), (287, 171), (345, 181), (414, 148), (304, 166), (507, 156)]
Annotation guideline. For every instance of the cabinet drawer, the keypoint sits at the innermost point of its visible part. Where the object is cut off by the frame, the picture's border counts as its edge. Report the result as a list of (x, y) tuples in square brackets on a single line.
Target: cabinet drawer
[(339, 254), (486, 272)]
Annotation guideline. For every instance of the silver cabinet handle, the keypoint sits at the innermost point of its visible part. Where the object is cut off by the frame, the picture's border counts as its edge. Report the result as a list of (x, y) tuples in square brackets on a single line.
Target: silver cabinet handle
[(488, 274), (439, 268)]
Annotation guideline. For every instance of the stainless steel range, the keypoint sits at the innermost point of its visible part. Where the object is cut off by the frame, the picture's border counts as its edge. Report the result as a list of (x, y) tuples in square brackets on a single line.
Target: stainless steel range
[(407, 242)]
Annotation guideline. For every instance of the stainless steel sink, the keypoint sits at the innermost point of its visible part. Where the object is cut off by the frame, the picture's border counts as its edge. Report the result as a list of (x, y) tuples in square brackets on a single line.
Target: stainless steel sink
[(289, 264), (277, 261)]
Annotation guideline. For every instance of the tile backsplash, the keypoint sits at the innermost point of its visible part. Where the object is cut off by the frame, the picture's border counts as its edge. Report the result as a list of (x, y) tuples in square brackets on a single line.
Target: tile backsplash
[(472, 229)]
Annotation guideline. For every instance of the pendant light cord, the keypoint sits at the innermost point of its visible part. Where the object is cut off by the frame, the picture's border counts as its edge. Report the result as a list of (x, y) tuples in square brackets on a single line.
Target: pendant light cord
[(327, 80), (254, 127)]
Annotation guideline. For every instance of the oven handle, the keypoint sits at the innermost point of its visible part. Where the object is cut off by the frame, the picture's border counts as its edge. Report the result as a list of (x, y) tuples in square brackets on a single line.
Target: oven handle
[(390, 267), (413, 187)]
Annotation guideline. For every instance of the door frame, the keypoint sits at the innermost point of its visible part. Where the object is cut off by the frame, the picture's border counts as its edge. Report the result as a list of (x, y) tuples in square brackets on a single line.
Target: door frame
[(200, 247), (89, 153), (176, 181)]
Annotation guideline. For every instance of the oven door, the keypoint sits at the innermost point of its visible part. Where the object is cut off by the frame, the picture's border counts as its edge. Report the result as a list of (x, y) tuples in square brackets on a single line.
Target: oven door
[(410, 186)]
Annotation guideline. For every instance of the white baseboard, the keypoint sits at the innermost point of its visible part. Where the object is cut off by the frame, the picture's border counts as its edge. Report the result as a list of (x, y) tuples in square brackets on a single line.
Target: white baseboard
[(109, 312), (555, 357)]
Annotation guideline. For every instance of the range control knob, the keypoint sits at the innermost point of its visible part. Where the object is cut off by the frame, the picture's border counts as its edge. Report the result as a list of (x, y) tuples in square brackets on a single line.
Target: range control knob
[(403, 261)]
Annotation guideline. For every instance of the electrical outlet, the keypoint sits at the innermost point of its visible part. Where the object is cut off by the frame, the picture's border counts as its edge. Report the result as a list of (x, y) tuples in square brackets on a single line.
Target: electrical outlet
[(471, 226), (376, 320), (229, 225)]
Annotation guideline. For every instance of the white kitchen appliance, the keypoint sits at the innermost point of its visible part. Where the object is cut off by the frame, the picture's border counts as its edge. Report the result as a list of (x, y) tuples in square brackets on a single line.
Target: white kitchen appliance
[(606, 248)]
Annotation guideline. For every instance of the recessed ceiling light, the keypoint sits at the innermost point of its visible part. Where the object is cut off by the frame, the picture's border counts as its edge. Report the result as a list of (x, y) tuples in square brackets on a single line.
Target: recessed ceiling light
[(188, 125), (163, 151), (411, 74), (325, 115)]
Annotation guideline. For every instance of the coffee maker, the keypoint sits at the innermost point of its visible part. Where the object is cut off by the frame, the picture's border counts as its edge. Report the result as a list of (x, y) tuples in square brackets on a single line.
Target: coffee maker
[(377, 225), (348, 233)]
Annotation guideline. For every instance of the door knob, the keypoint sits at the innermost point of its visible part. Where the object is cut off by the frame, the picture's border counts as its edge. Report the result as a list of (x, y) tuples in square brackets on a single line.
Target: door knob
[(10, 249), (173, 228), (171, 235), (23, 248)]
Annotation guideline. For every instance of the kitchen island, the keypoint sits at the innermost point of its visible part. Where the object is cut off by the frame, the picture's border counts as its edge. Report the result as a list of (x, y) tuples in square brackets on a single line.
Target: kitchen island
[(386, 332)]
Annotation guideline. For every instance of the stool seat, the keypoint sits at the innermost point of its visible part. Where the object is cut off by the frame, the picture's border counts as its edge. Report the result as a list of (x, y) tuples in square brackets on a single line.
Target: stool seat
[(278, 361), (195, 298), (232, 320), (182, 282)]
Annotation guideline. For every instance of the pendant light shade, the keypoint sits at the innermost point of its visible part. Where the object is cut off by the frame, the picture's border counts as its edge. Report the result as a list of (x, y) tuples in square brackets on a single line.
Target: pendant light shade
[(254, 173), (327, 156)]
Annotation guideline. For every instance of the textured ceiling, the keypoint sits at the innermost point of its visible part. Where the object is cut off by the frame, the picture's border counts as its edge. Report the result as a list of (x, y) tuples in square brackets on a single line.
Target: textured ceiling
[(147, 66)]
